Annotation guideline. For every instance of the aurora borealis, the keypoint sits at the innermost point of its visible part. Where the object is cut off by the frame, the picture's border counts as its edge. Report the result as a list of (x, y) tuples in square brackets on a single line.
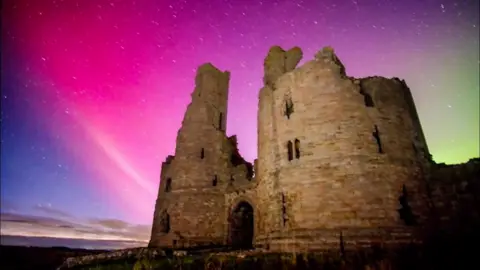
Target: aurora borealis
[(94, 91)]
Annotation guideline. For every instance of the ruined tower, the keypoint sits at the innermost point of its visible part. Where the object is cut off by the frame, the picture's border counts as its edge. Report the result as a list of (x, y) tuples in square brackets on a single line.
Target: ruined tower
[(339, 158), (189, 195), (190, 208)]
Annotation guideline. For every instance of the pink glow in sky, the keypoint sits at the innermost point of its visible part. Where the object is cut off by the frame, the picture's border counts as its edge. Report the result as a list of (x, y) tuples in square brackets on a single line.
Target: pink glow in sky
[(94, 91)]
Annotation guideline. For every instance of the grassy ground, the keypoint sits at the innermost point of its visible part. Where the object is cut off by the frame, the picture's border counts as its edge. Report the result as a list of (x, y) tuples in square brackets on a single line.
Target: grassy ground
[(451, 253), (435, 255), (407, 258)]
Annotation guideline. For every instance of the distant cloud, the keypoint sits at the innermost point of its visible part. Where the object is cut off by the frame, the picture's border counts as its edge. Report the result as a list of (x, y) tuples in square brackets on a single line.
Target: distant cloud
[(30, 219), (64, 225), (66, 242), (110, 223), (47, 208)]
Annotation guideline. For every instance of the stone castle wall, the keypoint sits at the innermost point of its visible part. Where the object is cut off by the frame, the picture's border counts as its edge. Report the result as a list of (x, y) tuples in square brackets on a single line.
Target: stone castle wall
[(341, 152), (455, 196), (341, 162)]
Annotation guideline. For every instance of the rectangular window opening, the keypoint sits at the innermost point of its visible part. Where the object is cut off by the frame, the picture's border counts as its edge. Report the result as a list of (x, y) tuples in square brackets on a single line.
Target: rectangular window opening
[(290, 150), (168, 185), (297, 148), (215, 181)]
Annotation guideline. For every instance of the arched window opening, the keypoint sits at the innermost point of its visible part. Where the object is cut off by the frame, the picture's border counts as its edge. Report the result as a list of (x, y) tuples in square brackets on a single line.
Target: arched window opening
[(202, 153), (297, 148), (168, 185), (290, 150)]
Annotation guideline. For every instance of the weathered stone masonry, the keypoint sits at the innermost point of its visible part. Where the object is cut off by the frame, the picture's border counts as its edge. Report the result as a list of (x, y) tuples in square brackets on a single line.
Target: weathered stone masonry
[(340, 159), (191, 198)]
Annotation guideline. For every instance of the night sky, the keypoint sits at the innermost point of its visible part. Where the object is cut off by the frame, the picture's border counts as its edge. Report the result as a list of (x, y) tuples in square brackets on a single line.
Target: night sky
[(93, 92)]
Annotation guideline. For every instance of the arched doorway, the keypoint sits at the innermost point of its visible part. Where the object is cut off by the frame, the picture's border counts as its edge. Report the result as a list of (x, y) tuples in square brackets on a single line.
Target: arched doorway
[(241, 226)]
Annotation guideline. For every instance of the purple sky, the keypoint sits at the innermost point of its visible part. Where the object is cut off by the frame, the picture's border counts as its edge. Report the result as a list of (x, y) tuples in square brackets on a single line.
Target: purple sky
[(93, 91)]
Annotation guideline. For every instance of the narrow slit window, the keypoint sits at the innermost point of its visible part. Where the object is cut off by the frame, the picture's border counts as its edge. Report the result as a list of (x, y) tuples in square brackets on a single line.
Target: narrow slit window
[(284, 210), (290, 150), (297, 148), (220, 121), (202, 153), (288, 107), (376, 135), (215, 181), (168, 185)]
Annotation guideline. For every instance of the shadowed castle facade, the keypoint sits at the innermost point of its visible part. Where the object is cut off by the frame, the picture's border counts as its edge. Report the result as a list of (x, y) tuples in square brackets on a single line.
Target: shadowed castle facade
[(341, 162)]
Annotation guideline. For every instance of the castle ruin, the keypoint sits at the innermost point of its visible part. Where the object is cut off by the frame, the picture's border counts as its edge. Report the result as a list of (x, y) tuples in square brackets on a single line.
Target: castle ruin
[(341, 162)]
